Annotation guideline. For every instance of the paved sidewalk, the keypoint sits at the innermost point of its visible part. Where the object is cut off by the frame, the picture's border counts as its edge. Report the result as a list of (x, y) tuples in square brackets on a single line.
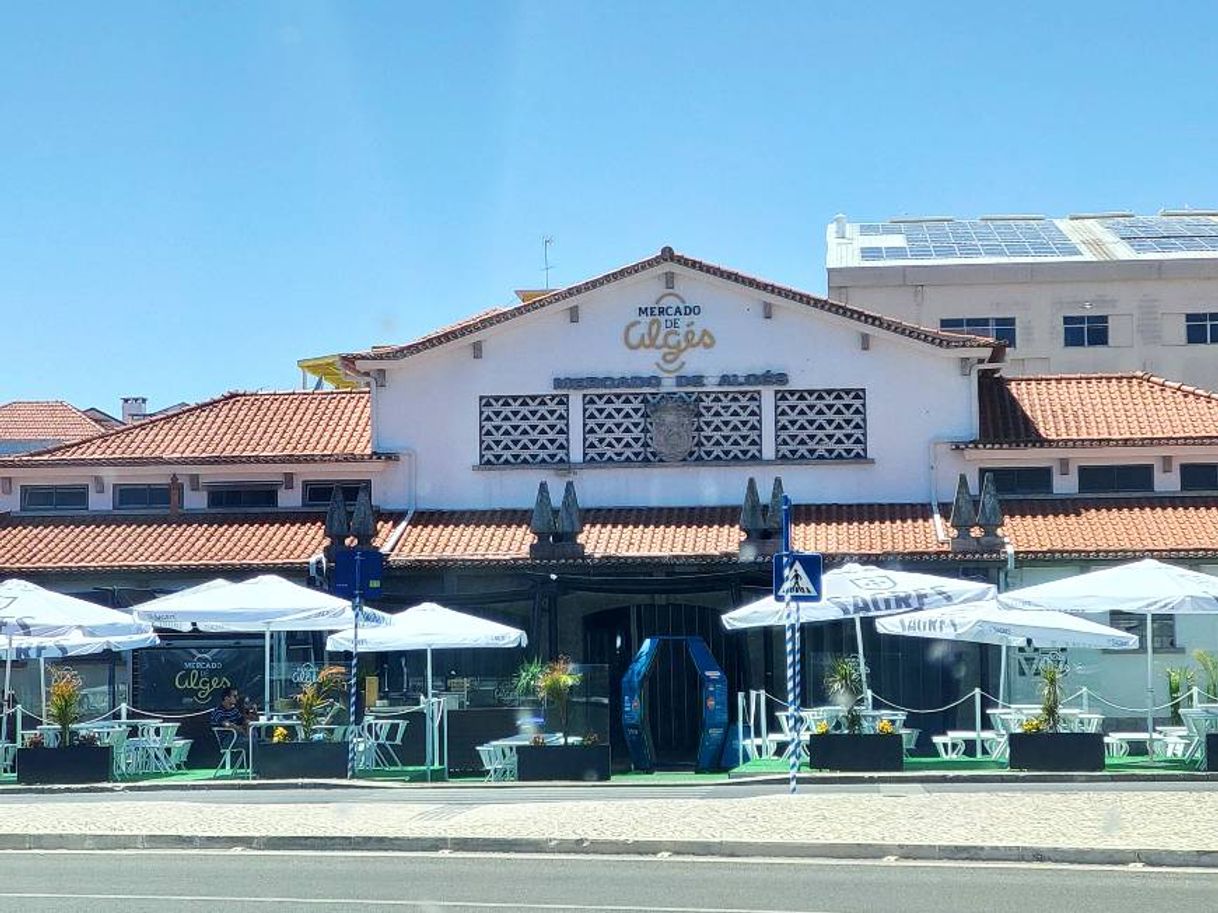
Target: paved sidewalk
[(901, 820)]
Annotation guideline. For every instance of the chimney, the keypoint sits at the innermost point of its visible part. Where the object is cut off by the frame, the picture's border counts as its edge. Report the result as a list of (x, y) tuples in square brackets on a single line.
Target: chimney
[(135, 408), (839, 226)]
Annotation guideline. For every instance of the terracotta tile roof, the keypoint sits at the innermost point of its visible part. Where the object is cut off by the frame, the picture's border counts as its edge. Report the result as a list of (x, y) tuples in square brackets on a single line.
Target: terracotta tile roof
[(1073, 410), (667, 534), (495, 317), (186, 541), (322, 426), (51, 420), (1162, 527)]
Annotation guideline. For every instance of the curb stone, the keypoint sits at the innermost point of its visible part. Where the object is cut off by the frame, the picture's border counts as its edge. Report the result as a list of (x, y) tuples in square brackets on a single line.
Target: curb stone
[(646, 847)]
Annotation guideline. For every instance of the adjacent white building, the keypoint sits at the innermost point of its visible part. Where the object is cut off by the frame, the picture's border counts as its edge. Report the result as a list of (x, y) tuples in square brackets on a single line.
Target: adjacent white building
[(1089, 292)]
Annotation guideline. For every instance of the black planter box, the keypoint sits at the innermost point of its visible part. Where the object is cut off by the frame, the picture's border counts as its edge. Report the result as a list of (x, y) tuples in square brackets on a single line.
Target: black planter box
[(1057, 751), (74, 764), (1211, 751), (562, 762), (300, 760), (856, 752)]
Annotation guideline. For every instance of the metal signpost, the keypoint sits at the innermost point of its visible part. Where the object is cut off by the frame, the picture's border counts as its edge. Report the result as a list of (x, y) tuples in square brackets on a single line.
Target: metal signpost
[(356, 570), (797, 578)]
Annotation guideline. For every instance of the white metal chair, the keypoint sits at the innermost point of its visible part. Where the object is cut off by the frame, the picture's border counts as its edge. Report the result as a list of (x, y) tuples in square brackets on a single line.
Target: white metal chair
[(386, 736), (178, 753), (232, 750), (8, 757)]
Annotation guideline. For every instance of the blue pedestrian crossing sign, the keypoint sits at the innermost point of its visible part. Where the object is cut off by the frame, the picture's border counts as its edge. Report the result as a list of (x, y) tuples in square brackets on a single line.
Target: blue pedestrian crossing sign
[(798, 576)]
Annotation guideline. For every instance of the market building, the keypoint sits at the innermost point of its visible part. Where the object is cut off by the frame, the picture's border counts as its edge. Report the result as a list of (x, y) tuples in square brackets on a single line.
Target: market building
[(596, 465)]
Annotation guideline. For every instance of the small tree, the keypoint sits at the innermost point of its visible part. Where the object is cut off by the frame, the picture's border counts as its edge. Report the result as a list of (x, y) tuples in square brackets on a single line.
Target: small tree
[(316, 698), (63, 702), (1209, 667), (1050, 695), (844, 683), (555, 683), (1178, 679)]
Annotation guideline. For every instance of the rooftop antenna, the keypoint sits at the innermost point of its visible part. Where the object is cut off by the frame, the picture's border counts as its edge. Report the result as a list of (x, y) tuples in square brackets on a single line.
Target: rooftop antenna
[(545, 254)]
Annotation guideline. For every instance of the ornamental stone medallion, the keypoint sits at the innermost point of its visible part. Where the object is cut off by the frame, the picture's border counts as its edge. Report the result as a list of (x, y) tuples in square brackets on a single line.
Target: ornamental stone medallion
[(674, 421)]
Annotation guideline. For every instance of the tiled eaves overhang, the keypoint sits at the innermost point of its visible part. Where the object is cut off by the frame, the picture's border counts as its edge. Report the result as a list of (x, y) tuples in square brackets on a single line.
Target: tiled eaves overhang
[(491, 319), (1087, 443), (277, 459)]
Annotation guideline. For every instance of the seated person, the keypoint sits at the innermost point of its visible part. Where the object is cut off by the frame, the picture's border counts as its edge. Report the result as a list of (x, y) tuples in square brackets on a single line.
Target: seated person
[(228, 715)]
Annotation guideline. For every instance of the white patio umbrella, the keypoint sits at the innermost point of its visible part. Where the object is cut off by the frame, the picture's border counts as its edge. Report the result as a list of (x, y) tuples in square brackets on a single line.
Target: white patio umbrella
[(429, 626), (860, 591), (30, 612), (1146, 587), (986, 622), (261, 604)]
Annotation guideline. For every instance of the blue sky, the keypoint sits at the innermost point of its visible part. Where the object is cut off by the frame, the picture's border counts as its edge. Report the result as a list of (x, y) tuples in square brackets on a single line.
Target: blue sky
[(194, 195)]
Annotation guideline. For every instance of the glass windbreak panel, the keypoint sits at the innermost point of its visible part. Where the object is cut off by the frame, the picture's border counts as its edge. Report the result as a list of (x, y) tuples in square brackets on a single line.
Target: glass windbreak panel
[(242, 498), (1097, 479), (1199, 477), (135, 497), (1022, 480)]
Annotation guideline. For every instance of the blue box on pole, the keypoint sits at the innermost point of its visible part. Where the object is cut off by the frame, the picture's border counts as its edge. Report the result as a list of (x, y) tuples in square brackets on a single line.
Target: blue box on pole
[(357, 569)]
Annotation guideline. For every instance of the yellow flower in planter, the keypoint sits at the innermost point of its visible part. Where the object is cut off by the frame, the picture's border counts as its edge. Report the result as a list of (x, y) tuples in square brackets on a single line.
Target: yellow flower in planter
[(280, 735), (885, 727), (1035, 724), (822, 728)]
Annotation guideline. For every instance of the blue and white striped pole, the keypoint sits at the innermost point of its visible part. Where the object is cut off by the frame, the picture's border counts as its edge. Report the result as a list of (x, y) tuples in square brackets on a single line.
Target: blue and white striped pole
[(352, 728), (791, 618)]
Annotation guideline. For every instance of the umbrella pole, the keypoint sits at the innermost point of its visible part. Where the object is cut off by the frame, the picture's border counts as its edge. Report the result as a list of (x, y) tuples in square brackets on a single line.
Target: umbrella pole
[(1150, 678), (858, 638), (1002, 675), (42, 684), (266, 673), (8, 677), (431, 739)]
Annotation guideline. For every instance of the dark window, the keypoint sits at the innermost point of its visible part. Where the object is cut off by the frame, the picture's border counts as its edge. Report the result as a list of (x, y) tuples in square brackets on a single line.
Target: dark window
[(136, 497), (1163, 628), (1115, 478), (318, 494), (1024, 480), (1202, 328), (1000, 328), (54, 497), (1199, 476), (242, 498), (1089, 330)]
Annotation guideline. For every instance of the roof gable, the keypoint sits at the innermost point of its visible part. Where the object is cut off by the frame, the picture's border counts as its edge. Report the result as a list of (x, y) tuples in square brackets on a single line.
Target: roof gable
[(51, 420), (1074, 410), (494, 317), (237, 427)]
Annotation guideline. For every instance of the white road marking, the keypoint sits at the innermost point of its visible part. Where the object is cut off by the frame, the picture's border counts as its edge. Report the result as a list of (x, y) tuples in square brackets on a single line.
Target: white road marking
[(401, 904)]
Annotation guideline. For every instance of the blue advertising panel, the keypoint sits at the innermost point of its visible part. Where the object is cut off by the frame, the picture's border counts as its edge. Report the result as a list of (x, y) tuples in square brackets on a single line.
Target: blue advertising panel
[(712, 692)]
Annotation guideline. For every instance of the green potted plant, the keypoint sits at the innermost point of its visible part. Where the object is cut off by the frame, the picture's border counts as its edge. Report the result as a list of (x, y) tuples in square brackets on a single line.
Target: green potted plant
[(77, 758), (1179, 680), (587, 760), (1209, 668), (315, 755), (1042, 745), (853, 749)]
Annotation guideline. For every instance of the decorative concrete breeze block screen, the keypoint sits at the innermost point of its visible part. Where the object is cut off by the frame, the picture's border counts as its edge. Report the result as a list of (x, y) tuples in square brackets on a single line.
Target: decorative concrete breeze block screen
[(519, 430), (617, 428), (826, 424)]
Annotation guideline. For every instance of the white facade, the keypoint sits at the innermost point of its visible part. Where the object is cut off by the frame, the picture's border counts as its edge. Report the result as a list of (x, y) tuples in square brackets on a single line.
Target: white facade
[(1145, 295), (428, 407)]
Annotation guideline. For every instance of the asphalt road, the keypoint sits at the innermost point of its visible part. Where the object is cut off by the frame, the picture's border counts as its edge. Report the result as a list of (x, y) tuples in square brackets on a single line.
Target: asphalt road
[(246, 882)]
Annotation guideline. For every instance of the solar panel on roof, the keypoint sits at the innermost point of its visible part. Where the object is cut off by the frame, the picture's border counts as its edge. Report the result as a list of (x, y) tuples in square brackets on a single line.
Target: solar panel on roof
[(1166, 234), (968, 239)]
